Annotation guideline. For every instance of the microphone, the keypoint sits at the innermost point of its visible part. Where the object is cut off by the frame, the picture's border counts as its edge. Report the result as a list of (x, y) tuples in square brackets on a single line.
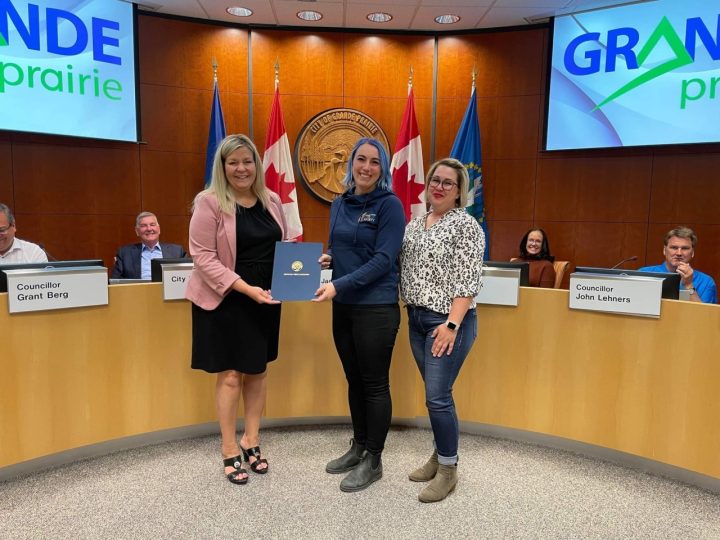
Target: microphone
[(633, 258)]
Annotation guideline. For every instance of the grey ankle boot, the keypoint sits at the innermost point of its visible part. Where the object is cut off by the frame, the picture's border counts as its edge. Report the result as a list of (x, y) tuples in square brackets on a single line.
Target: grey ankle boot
[(368, 471), (441, 486), (426, 472), (349, 460)]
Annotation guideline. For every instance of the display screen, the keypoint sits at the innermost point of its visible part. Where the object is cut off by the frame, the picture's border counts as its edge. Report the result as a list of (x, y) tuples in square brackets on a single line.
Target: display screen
[(640, 74), (67, 67)]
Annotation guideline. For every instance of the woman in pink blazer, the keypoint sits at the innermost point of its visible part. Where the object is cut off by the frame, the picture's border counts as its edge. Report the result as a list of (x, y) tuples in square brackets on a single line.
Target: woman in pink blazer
[(235, 321)]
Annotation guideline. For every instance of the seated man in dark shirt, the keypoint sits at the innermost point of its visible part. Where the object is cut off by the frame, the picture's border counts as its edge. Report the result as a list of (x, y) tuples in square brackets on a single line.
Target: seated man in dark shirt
[(679, 250), (133, 261)]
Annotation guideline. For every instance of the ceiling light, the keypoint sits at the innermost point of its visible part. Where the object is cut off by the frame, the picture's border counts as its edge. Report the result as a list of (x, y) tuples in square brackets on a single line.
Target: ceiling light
[(239, 11), (447, 19), (379, 17), (309, 15)]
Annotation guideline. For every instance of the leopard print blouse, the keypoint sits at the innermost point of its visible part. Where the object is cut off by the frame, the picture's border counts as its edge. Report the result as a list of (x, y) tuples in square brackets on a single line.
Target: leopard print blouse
[(443, 262)]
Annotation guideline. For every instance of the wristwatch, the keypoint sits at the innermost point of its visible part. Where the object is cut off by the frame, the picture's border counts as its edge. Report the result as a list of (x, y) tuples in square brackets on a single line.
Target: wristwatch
[(691, 290), (451, 325)]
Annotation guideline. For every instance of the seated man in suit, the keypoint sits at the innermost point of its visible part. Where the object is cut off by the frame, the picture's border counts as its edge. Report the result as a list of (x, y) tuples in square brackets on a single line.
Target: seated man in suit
[(12, 249), (679, 250), (133, 261)]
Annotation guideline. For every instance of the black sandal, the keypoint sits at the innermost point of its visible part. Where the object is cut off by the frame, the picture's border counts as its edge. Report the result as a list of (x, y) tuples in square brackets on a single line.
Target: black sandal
[(255, 452), (239, 475)]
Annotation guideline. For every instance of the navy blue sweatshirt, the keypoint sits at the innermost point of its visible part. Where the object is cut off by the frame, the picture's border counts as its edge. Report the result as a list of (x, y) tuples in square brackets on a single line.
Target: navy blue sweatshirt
[(366, 233)]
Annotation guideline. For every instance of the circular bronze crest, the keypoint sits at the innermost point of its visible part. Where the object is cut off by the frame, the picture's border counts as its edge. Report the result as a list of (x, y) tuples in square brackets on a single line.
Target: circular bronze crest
[(324, 145)]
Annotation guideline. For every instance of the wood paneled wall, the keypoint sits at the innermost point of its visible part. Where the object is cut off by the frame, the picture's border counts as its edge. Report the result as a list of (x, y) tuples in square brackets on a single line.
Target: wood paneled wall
[(79, 198)]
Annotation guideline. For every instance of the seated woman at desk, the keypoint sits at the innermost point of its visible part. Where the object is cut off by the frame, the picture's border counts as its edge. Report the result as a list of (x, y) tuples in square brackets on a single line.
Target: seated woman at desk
[(535, 249)]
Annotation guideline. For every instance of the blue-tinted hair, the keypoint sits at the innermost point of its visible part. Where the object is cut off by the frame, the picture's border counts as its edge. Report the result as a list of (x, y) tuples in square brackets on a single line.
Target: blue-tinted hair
[(385, 181)]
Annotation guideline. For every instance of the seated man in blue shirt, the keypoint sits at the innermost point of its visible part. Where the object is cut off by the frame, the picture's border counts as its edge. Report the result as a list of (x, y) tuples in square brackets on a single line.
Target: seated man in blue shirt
[(679, 250), (133, 261)]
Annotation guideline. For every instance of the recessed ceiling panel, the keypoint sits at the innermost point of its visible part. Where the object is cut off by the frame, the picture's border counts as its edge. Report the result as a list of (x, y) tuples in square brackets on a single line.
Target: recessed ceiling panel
[(408, 15), (186, 8), (499, 17), (449, 5), (332, 13), (469, 16), (262, 11), (532, 4), (402, 16)]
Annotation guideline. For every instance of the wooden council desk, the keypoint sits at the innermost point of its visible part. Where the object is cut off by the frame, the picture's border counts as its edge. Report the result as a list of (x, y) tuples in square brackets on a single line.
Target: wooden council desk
[(645, 387)]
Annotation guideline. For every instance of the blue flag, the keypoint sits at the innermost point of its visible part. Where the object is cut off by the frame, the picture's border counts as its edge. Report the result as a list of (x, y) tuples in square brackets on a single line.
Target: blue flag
[(466, 149), (216, 134)]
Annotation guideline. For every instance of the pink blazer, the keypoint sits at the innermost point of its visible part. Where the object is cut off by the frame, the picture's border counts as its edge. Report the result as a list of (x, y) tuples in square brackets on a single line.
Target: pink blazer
[(212, 247)]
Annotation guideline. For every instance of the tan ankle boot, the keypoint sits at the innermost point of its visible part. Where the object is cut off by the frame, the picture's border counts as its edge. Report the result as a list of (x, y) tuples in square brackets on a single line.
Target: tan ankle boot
[(441, 486), (426, 472)]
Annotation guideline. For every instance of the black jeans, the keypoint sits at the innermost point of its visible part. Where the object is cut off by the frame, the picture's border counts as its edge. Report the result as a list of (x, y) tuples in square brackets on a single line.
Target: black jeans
[(364, 338)]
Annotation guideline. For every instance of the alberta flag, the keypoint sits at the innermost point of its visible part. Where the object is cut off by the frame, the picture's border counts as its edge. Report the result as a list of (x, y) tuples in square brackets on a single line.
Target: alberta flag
[(466, 149), (277, 164), (406, 168), (216, 134)]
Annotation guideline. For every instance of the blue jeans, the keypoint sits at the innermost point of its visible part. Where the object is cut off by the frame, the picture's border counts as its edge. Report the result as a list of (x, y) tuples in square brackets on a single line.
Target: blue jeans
[(439, 374)]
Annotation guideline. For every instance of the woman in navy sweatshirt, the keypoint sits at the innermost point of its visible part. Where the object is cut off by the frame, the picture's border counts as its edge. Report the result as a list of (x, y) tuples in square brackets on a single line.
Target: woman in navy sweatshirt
[(367, 224)]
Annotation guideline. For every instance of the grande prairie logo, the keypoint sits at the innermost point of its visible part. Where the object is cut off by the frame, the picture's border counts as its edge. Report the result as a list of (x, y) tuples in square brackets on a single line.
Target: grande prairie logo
[(324, 145)]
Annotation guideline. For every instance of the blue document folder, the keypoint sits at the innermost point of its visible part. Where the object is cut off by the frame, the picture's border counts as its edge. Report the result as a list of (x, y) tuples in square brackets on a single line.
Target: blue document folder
[(296, 271)]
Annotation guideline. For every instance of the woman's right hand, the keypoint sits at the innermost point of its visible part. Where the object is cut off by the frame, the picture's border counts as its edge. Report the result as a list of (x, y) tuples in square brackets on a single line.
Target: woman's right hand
[(261, 296), (325, 261)]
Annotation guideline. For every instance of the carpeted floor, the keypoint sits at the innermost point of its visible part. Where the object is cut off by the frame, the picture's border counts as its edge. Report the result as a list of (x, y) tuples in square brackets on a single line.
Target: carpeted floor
[(506, 490)]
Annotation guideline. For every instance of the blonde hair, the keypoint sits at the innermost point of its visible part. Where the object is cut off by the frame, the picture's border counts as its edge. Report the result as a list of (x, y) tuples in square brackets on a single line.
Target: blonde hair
[(219, 183), (463, 180)]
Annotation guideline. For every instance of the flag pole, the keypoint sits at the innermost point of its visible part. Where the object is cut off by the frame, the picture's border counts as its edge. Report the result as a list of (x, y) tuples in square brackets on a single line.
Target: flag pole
[(466, 149), (406, 166), (216, 132), (278, 167)]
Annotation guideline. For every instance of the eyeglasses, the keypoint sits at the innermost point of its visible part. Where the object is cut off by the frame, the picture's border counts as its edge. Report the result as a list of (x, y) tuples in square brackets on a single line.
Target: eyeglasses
[(3, 230), (447, 185)]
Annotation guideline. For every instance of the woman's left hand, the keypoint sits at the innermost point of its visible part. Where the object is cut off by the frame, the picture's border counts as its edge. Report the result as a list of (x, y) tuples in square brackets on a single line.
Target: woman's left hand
[(444, 341), (325, 292)]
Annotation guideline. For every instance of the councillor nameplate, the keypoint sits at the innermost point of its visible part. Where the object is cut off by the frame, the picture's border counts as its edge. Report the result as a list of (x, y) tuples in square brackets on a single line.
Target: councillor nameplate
[(628, 295), (175, 279), (56, 288), (296, 270)]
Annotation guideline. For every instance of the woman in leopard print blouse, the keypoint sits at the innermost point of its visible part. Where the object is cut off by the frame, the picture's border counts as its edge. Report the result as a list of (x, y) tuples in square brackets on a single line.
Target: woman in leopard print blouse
[(440, 267)]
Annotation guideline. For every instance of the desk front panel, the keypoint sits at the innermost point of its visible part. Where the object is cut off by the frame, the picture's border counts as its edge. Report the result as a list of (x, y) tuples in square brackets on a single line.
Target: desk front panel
[(648, 387)]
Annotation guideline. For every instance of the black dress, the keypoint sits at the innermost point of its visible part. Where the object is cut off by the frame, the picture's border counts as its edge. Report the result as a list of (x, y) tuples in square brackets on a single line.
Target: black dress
[(241, 334)]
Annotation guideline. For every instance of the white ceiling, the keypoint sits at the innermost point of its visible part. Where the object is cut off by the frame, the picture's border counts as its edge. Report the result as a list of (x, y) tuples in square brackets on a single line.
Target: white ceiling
[(408, 15)]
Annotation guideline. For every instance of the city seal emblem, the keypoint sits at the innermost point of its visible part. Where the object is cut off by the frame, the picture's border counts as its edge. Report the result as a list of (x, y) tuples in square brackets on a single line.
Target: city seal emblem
[(296, 266), (324, 145)]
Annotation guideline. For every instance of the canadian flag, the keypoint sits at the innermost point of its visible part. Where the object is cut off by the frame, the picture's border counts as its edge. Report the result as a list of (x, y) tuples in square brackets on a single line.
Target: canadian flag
[(407, 164), (277, 164)]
